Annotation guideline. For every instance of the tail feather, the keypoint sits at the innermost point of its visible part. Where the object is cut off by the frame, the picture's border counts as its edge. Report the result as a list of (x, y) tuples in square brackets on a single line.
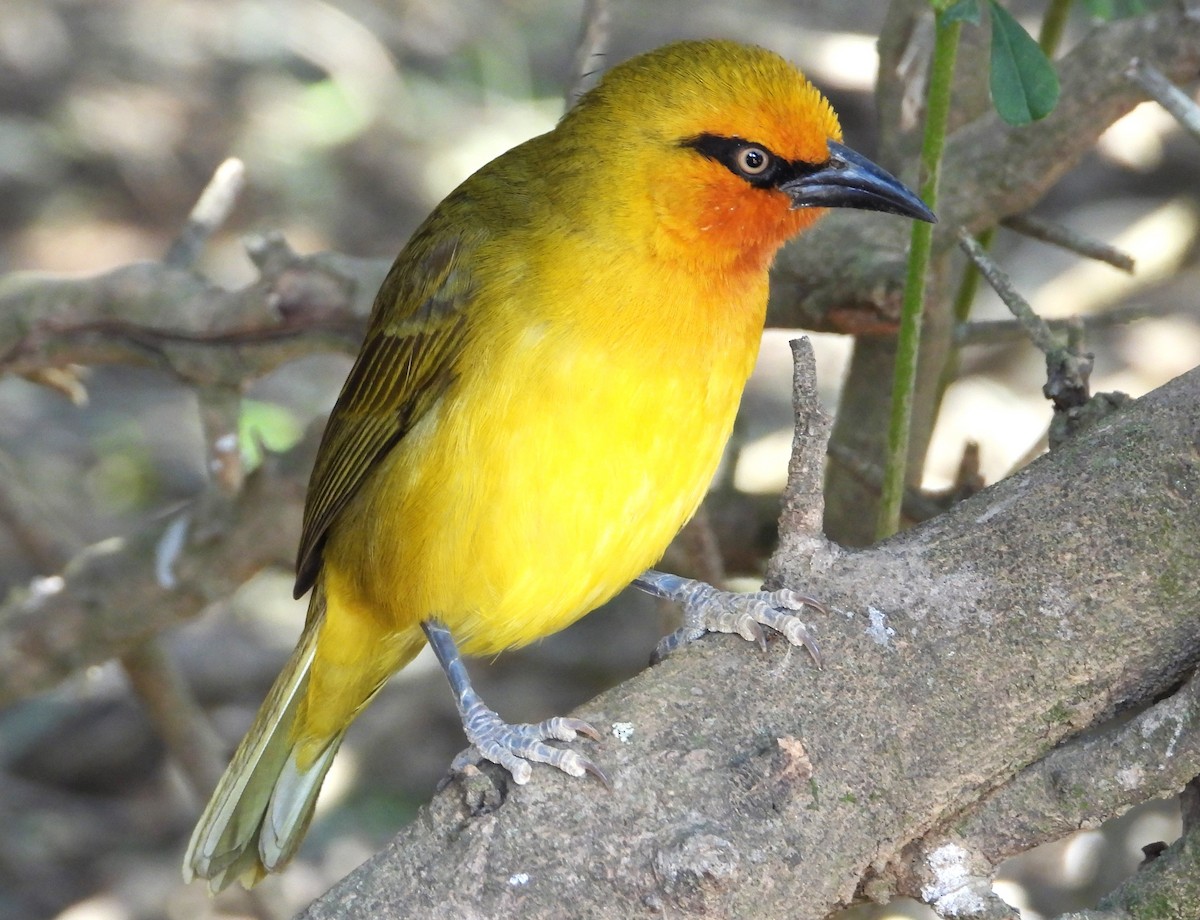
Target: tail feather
[(234, 838), (264, 802), (291, 807)]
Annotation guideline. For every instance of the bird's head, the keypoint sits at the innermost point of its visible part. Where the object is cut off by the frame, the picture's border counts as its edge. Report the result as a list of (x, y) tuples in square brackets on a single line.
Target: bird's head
[(724, 148)]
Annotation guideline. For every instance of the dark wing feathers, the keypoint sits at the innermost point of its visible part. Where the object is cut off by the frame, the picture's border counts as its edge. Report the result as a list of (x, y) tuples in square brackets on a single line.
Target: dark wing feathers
[(406, 362)]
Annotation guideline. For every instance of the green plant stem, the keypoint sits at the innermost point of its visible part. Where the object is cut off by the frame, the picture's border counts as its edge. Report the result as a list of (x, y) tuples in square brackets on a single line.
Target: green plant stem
[(1053, 24), (941, 79), (1049, 38)]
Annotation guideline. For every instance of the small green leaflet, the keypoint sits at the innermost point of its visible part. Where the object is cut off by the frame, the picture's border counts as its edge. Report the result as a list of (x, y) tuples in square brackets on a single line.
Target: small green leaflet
[(1023, 81)]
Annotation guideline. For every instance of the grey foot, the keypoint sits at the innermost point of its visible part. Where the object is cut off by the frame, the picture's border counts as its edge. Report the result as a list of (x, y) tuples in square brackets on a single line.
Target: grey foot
[(707, 609), (516, 747)]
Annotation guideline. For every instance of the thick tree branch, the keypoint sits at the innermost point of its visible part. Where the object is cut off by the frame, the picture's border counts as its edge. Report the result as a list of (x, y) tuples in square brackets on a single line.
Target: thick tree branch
[(156, 314), (957, 654)]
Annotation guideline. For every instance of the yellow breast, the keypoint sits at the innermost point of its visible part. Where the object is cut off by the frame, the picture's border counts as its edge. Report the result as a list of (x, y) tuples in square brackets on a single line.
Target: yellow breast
[(558, 468)]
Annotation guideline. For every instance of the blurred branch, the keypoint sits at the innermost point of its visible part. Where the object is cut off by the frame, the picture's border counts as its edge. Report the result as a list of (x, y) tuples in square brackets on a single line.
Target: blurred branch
[(1034, 326), (189, 735), (905, 44), (32, 522), (211, 210), (914, 505), (1068, 368), (159, 315), (1065, 238), (1167, 94), (1000, 332), (110, 598), (846, 274)]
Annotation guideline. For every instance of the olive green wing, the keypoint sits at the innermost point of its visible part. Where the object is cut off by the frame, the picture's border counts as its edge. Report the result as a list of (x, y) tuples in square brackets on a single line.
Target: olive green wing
[(407, 360)]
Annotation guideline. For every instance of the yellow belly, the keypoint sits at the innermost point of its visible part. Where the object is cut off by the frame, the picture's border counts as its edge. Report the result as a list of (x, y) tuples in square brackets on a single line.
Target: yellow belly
[(513, 510), (544, 482)]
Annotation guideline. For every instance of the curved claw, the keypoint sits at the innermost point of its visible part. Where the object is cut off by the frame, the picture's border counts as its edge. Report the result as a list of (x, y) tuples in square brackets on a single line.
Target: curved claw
[(796, 633), (757, 635), (576, 727), (792, 600), (598, 773), (672, 642)]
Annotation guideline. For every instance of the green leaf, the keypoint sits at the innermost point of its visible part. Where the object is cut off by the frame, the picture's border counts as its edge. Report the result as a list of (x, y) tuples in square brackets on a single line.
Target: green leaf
[(1023, 82), (1120, 9), (264, 425), (961, 11)]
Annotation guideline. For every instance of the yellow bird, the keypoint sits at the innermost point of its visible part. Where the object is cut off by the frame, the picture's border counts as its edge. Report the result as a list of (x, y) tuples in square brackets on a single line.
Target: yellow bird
[(549, 376)]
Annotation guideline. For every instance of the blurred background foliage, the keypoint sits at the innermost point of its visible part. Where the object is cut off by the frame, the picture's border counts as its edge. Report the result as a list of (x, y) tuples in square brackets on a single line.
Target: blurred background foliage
[(354, 118)]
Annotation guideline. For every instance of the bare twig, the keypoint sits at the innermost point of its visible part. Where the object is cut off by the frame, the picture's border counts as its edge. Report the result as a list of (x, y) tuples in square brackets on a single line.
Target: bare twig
[(1166, 94), (801, 518), (211, 210), (1066, 238), (188, 733), (806, 470), (967, 480), (1035, 327), (110, 597), (1002, 332), (1067, 368)]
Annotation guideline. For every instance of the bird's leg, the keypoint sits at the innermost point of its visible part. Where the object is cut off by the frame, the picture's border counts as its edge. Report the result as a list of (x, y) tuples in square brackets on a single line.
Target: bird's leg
[(707, 609), (513, 747)]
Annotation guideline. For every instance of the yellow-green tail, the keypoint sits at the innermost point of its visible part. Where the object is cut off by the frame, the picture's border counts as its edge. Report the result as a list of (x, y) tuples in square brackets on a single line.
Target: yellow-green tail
[(264, 801), (261, 808)]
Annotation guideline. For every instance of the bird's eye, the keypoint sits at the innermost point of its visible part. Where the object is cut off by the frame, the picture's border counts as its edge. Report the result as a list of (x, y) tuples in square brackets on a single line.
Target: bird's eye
[(753, 161)]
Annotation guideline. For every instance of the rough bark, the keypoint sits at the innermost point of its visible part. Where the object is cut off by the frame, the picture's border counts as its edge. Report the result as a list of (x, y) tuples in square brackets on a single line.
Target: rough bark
[(957, 654)]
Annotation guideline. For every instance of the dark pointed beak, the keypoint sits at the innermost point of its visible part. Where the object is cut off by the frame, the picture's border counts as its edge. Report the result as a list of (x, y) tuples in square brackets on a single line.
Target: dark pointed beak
[(850, 180)]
